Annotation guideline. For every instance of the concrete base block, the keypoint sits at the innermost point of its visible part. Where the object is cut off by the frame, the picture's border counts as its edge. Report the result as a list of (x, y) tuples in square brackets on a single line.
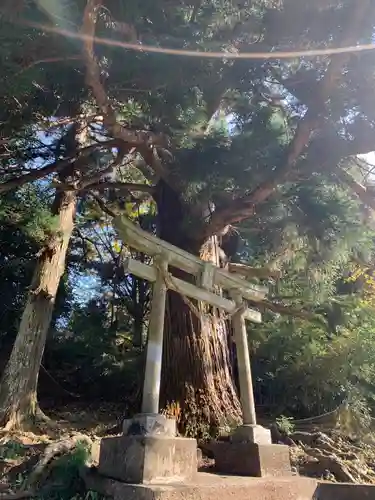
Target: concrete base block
[(149, 424), (252, 459), (252, 434), (344, 491), (210, 487), (148, 460)]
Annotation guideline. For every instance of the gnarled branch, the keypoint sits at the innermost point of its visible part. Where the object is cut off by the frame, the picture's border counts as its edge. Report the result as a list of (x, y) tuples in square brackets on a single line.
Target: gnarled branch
[(145, 141), (245, 207), (56, 166)]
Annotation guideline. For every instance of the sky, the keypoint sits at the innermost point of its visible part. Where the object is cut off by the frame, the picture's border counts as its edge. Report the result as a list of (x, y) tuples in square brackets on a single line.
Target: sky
[(370, 158)]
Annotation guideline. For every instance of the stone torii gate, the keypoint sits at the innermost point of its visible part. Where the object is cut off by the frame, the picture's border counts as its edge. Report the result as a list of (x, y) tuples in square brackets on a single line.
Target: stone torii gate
[(149, 451)]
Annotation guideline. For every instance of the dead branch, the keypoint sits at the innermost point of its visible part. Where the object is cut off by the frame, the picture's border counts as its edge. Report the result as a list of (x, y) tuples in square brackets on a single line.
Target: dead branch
[(151, 157)]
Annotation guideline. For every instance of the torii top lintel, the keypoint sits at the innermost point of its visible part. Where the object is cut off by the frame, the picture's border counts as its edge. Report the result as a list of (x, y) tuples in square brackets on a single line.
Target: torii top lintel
[(149, 244)]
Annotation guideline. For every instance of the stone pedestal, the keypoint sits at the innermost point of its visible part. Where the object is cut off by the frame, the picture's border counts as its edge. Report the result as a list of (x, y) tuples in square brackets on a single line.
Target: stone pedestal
[(250, 452), (148, 460), (148, 453), (216, 487), (251, 434), (149, 424)]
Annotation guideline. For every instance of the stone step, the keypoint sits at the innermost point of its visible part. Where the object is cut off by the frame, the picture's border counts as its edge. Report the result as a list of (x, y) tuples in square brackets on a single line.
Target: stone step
[(208, 486)]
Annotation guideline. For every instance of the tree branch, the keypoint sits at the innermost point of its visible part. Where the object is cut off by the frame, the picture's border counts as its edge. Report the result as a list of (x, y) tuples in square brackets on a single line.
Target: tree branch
[(289, 311), (122, 151), (101, 186), (57, 166), (103, 206), (48, 60), (121, 186), (366, 197), (245, 207), (254, 272), (145, 141)]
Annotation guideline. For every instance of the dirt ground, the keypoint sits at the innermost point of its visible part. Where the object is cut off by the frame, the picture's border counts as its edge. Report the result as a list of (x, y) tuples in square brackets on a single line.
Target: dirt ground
[(46, 462)]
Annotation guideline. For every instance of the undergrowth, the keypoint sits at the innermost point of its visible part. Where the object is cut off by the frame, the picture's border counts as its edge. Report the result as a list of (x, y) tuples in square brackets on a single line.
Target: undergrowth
[(61, 482)]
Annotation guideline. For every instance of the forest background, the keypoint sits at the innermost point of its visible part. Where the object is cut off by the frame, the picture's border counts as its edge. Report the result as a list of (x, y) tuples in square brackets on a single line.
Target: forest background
[(264, 159)]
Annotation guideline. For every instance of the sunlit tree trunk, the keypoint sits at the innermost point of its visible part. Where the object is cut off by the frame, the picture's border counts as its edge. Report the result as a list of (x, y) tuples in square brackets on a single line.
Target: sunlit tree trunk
[(197, 377), (18, 398), (18, 389)]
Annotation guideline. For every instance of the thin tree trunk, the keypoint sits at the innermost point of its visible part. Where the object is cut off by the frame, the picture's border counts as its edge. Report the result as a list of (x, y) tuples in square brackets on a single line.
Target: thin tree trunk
[(18, 388), (197, 379), (18, 398)]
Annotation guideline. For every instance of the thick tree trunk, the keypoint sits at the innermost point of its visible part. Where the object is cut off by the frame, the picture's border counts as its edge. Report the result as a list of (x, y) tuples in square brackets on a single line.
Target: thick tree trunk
[(197, 379), (18, 399)]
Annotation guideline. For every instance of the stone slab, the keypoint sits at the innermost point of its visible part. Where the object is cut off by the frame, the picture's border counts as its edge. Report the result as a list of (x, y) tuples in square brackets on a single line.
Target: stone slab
[(344, 491), (251, 459), (147, 460), (149, 424), (209, 487), (252, 434)]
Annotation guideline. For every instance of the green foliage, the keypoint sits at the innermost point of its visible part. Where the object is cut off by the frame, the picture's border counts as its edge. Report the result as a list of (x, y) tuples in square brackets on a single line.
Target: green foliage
[(65, 482), (25, 223), (96, 356), (301, 372), (12, 450), (285, 424), (225, 138), (28, 209)]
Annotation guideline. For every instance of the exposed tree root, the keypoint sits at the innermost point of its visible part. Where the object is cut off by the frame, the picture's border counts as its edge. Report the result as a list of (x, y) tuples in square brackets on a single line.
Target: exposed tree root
[(333, 464), (23, 420), (333, 457), (42, 469), (37, 422)]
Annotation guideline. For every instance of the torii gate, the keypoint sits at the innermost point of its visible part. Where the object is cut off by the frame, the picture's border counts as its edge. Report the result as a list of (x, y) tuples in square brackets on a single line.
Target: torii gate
[(114, 455)]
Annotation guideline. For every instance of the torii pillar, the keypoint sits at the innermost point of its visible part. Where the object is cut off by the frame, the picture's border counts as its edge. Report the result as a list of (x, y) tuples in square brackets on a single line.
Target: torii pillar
[(149, 450), (250, 451)]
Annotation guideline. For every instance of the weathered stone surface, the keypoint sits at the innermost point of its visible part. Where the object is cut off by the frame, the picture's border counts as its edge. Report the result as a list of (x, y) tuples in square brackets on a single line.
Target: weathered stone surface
[(143, 459), (149, 424), (251, 459), (211, 487), (252, 434), (214, 487), (341, 491), (95, 452)]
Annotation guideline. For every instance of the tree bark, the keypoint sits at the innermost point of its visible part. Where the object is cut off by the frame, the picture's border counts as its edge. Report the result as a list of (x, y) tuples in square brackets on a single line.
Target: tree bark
[(197, 387), (18, 390)]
